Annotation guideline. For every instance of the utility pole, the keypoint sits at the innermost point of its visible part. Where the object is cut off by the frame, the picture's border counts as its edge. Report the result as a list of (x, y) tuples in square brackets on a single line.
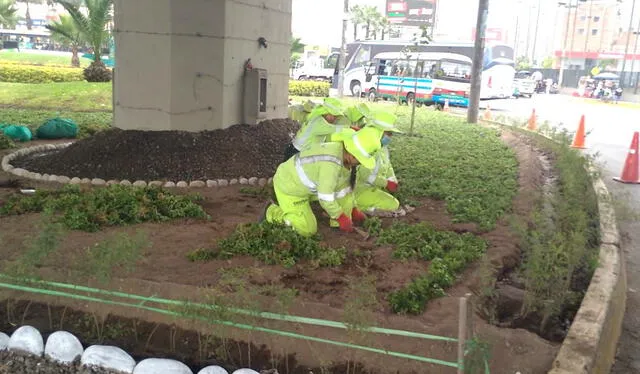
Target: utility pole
[(626, 49), (526, 48), (564, 45), (535, 36), (478, 54), (343, 50), (635, 50)]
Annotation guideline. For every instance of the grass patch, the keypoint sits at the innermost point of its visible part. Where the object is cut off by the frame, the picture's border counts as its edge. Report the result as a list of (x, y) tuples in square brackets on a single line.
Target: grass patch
[(6, 142), (111, 206), (467, 166), (75, 96), (449, 253), (119, 251), (88, 123), (27, 58), (272, 244)]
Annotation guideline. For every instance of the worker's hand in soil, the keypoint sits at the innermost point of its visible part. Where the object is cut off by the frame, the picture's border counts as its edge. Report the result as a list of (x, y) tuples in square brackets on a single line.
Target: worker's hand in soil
[(345, 223), (357, 215), (392, 186)]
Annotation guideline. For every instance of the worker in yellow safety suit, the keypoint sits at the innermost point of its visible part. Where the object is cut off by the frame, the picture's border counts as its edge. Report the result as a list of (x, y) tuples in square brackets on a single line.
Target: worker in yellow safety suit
[(300, 112), (374, 186), (320, 170), (355, 115), (321, 123)]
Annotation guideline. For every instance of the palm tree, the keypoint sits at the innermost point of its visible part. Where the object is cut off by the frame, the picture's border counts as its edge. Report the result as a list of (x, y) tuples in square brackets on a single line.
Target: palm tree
[(66, 33), (27, 15), (8, 14), (93, 30), (296, 45), (357, 18), (371, 15), (384, 26)]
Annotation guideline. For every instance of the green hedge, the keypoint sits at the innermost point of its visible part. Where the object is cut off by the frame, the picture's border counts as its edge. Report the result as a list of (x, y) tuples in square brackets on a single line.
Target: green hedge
[(309, 88), (13, 73)]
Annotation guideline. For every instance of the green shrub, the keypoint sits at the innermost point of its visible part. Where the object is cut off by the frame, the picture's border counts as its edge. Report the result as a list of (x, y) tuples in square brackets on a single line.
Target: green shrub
[(309, 88), (6, 142), (13, 73), (112, 206)]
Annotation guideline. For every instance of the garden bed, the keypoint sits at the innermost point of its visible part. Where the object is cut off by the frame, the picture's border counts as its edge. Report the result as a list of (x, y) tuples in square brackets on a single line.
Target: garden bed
[(461, 207)]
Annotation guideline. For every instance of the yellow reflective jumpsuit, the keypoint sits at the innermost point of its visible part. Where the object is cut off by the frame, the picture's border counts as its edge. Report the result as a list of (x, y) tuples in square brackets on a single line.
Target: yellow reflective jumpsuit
[(315, 131), (370, 191), (315, 171)]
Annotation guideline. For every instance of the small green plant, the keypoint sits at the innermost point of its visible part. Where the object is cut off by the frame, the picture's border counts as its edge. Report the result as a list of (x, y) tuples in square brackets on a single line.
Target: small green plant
[(118, 252), (112, 206), (361, 302), (201, 255), (6, 142), (477, 355), (277, 244), (373, 225), (261, 192)]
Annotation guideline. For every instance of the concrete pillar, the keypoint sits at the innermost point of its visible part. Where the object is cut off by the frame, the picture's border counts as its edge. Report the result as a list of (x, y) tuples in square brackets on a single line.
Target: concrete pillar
[(180, 63)]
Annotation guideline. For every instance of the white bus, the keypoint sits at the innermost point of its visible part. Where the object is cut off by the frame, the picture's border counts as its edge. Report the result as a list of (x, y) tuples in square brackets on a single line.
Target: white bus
[(497, 75), (426, 77)]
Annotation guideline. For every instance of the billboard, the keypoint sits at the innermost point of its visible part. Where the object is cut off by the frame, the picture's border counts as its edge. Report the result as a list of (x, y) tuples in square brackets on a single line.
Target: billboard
[(411, 12)]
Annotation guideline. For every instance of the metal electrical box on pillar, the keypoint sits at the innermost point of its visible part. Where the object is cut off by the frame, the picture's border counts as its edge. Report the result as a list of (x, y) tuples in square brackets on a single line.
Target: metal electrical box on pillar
[(254, 102)]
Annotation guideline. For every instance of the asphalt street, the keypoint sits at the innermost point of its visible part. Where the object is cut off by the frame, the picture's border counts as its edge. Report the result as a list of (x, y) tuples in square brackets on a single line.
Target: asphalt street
[(610, 129)]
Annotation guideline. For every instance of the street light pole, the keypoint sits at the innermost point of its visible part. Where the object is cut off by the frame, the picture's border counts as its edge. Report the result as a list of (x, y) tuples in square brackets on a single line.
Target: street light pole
[(535, 36), (476, 68), (564, 44), (343, 50), (626, 49)]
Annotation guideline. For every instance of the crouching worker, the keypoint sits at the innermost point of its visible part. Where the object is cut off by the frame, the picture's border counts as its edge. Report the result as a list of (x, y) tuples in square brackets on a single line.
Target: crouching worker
[(301, 112), (374, 185), (318, 128), (320, 170)]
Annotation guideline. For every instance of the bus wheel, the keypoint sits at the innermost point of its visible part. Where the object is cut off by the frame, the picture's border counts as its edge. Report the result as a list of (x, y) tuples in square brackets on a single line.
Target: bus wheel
[(439, 106), (356, 89), (302, 77), (410, 98), (372, 95)]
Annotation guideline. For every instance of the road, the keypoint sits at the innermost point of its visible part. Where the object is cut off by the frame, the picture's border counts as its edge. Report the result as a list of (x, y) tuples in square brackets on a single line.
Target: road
[(610, 129)]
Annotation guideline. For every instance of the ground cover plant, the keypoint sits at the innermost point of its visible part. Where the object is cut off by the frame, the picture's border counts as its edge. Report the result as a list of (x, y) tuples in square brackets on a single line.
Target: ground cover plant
[(89, 123), (14, 57), (112, 206)]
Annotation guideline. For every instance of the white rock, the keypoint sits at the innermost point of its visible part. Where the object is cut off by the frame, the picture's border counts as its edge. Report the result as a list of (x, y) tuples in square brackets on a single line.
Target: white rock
[(30, 175), (213, 370), (75, 180), (223, 182), (169, 185), (262, 182), (45, 177), (98, 182), (52, 178), (4, 341), (37, 176), (63, 179), (245, 371), (11, 156), (244, 181), (140, 184), (270, 181), (108, 357), (155, 183), (112, 182), (212, 183), (253, 181), (50, 147), (182, 184), (8, 168), (233, 181), (19, 172), (27, 339), (197, 184), (161, 365), (63, 347), (85, 181), (125, 183)]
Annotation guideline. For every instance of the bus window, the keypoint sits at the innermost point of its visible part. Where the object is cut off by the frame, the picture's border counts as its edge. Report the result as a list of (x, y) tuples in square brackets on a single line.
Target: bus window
[(332, 61), (363, 56), (455, 70)]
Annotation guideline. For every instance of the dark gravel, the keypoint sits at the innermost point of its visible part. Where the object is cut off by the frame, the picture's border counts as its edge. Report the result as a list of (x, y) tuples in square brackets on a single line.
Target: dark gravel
[(11, 363), (239, 151)]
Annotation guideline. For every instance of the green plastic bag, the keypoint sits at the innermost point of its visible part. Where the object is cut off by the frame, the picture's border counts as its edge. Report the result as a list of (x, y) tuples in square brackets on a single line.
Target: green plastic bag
[(57, 128), (20, 133)]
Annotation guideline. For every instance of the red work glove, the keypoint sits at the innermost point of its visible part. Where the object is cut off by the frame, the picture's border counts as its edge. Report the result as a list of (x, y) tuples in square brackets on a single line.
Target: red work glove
[(356, 128), (392, 186), (345, 223), (357, 215)]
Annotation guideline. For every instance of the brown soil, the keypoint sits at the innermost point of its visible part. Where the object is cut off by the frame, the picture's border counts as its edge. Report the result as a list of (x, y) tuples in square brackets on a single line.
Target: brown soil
[(238, 151), (165, 271)]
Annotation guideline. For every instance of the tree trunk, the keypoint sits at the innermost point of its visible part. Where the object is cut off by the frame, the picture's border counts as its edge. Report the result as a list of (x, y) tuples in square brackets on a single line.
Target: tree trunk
[(355, 31), (368, 27), (382, 35), (27, 17), (75, 60)]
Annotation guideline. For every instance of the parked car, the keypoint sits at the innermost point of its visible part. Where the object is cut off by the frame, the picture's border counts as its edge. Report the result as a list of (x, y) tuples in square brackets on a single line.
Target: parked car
[(523, 84)]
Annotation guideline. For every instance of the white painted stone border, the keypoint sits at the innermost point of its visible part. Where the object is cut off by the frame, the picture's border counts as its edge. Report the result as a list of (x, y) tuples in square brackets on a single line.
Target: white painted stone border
[(28, 341), (9, 168), (591, 343)]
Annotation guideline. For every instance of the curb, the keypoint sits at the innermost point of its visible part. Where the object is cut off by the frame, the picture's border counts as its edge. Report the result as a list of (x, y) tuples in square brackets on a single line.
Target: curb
[(591, 343), (6, 166)]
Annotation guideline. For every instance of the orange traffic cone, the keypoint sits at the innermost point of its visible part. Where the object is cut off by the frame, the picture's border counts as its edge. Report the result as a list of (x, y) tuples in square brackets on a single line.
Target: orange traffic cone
[(631, 165), (487, 113), (446, 105), (531, 124), (578, 140)]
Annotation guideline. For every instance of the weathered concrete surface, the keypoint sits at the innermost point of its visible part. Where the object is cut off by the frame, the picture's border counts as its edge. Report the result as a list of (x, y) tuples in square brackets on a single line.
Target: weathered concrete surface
[(180, 63)]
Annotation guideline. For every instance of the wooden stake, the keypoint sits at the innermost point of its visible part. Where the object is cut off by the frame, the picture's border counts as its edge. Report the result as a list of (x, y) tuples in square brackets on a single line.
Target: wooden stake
[(465, 328)]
